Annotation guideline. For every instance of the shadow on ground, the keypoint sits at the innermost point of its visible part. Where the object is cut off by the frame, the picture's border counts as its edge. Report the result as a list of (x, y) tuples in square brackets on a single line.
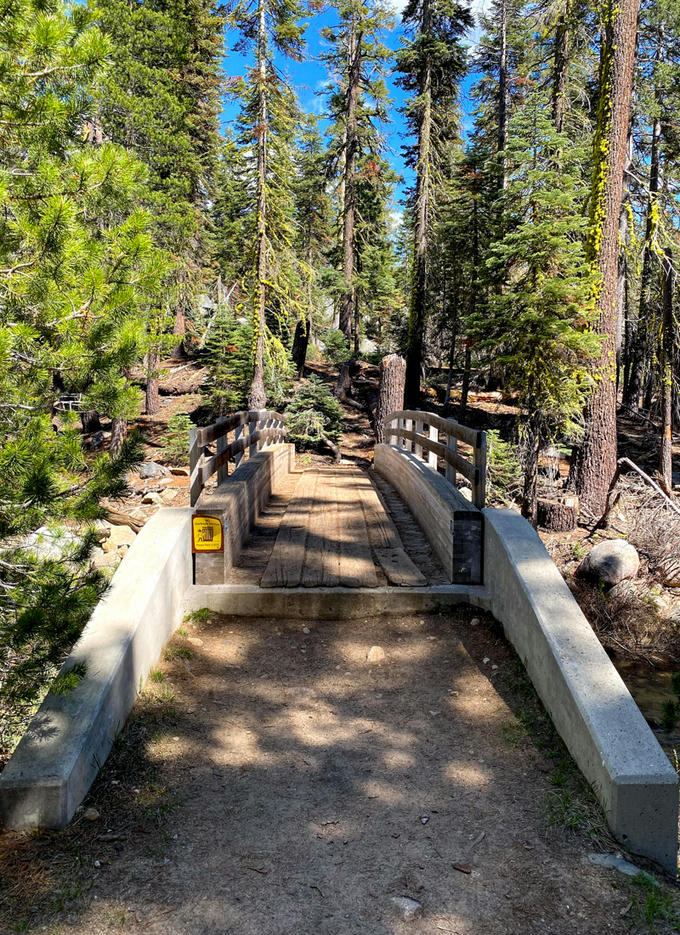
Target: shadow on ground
[(271, 781)]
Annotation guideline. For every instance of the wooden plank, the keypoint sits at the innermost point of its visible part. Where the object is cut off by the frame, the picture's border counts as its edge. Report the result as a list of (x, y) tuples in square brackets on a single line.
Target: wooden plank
[(384, 539), (356, 562), (317, 515), (286, 563), (211, 433)]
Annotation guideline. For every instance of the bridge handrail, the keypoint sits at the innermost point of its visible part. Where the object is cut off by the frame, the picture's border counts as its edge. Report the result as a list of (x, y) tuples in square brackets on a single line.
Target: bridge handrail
[(404, 428), (264, 425)]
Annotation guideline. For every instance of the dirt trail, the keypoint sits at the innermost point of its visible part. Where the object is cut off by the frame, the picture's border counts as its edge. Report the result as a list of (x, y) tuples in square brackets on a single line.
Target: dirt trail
[(272, 782)]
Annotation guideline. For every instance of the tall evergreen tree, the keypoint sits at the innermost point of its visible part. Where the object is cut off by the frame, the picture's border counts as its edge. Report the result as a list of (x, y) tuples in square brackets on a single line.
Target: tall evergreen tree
[(431, 63)]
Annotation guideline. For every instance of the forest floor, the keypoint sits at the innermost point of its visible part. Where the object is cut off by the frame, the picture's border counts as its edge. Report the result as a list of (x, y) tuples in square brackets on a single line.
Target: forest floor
[(272, 781)]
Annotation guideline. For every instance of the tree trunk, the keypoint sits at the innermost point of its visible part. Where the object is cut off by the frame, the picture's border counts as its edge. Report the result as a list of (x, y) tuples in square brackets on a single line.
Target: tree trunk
[(594, 460), (561, 65), (465, 389), (300, 344), (89, 419), (666, 375), (153, 400), (391, 393), (349, 206), (257, 397), (529, 492), (416, 328), (118, 433), (558, 515), (640, 340)]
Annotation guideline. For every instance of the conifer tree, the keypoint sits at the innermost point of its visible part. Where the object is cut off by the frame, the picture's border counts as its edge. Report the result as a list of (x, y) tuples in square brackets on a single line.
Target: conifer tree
[(267, 124), (431, 64), (536, 326), (357, 104)]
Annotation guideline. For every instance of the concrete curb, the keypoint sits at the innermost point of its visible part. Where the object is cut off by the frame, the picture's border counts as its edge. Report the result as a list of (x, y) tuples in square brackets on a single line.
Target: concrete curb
[(581, 690), (71, 735), (331, 604)]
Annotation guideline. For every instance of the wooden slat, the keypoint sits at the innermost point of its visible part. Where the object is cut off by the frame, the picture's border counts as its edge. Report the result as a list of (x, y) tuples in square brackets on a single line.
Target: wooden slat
[(462, 432), (466, 469), (385, 541), (211, 433), (356, 562), (285, 566)]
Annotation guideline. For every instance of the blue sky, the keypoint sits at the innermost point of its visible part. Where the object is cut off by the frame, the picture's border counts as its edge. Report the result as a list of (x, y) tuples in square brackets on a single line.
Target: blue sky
[(308, 79)]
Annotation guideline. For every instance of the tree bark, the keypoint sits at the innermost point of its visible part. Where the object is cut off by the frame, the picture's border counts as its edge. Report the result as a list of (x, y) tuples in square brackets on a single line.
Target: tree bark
[(594, 460), (89, 419), (561, 60), (640, 339), (391, 392), (414, 354), (153, 400), (118, 433), (558, 515), (465, 389), (349, 206), (257, 397), (666, 375), (300, 344)]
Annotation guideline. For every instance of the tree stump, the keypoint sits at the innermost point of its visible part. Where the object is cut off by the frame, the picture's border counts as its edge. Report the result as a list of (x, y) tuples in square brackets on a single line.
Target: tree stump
[(391, 393), (558, 515)]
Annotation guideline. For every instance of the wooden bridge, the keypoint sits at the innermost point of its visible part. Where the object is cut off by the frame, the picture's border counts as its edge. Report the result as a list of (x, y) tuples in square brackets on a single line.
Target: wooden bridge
[(333, 526)]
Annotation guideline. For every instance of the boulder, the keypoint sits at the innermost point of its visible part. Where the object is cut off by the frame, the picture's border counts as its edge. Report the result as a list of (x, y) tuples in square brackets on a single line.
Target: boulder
[(122, 535), (49, 542), (610, 562), (151, 469)]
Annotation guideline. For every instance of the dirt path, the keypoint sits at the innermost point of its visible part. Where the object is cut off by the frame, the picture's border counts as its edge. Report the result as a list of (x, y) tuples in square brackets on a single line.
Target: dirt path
[(272, 781)]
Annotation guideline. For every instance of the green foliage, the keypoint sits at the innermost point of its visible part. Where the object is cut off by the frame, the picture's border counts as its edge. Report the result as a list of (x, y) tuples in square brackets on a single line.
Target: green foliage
[(176, 449), (504, 471), (314, 415), (335, 347)]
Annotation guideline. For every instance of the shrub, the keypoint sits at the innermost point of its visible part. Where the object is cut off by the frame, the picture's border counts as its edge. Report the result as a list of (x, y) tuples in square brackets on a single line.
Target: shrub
[(314, 416), (176, 449), (504, 473), (336, 348)]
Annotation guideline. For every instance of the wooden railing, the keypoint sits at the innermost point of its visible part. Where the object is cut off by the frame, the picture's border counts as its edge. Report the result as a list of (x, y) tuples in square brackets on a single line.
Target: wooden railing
[(251, 430), (406, 430)]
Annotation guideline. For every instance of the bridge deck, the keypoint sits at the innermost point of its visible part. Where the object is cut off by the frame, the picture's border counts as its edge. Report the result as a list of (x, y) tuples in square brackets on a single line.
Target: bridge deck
[(331, 527)]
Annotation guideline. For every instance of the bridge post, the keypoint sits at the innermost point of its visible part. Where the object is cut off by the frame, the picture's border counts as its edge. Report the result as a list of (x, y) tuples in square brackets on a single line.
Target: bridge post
[(452, 445), (418, 449), (238, 457), (479, 487), (406, 443), (220, 447), (194, 458), (431, 455)]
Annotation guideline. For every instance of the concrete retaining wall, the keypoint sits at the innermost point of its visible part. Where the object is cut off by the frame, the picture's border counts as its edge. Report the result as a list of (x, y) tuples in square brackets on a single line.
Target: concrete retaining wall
[(582, 691), (452, 524), (237, 503), (71, 735)]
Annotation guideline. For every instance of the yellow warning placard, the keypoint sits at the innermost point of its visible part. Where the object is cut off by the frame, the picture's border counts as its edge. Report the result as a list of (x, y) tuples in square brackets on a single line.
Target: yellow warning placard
[(206, 534)]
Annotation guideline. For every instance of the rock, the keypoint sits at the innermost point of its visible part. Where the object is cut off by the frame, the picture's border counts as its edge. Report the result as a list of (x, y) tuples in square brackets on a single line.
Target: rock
[(151, 469), (48, 543), (610, 562), (122, 549), (109, 546), (194, 640), (169, 495), (101, 559), (474, 622), (102, 529), (465, 492), (406, 907), (122, 535), (91, 814), (612, 862), (179, 471), (375, 656), (152, 497)]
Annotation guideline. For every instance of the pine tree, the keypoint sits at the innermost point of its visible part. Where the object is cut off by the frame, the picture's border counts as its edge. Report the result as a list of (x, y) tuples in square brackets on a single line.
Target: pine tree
[(431, 63), (537, 325), (161, 100), (267, 124), (357, 104), (78, 271)]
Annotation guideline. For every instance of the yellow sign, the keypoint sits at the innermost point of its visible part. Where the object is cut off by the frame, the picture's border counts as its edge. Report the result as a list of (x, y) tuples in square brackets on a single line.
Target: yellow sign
[(206, 534)]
